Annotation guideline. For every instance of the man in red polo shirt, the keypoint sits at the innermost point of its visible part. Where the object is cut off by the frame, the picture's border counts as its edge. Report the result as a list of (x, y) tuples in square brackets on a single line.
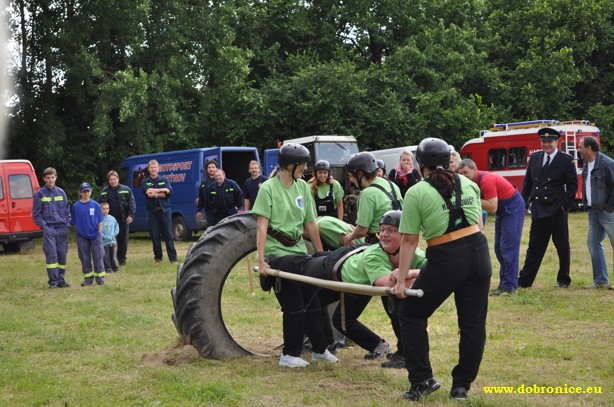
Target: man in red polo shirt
[(500, 197)]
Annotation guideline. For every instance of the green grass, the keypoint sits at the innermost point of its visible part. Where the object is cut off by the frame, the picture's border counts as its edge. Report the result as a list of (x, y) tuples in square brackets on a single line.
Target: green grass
[(116, 344)]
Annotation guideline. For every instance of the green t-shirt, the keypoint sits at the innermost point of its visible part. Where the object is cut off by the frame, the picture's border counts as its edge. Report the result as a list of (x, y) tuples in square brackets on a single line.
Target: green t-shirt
[(324, 189), (373, 204), (331, 230), (369, 265), (287, 209), (424, 209)]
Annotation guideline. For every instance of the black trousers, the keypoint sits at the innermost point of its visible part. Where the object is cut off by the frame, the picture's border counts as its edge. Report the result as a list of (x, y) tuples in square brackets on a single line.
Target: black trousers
[(461, 267), (122, 240), (354, 304), (555, 226), (391, 306)]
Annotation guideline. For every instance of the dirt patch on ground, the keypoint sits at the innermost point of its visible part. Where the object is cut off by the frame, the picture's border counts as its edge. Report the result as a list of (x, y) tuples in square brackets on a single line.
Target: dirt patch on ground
[(177, 356)]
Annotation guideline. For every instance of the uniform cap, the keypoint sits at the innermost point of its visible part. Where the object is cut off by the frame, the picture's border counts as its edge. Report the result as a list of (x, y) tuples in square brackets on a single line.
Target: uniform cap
[(548, 134)]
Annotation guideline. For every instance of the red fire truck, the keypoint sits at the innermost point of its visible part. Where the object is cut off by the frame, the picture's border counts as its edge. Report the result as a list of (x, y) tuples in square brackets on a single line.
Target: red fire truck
[(505, 148)]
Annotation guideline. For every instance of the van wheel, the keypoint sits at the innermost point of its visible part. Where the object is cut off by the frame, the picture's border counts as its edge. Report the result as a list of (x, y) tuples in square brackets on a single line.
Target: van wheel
[(197, 298), (180, 229)]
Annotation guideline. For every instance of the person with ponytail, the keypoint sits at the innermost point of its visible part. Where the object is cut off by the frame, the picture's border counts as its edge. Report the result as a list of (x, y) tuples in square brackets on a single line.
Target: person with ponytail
[(445, 207)]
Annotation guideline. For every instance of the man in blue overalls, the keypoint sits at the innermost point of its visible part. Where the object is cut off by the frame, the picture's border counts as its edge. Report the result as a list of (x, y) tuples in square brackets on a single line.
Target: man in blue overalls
[(51, 212)]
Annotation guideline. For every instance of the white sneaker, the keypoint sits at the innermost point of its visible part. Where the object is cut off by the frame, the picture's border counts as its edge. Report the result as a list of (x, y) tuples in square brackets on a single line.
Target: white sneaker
[(327, 356), (292, 361)]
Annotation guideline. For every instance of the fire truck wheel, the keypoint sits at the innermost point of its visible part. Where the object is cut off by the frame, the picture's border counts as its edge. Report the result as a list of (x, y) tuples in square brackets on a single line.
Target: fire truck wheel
[(200, 279)]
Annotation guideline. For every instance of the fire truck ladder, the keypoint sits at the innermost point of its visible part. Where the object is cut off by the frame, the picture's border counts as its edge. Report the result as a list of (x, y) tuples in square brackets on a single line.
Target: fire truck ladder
[(569, 143)]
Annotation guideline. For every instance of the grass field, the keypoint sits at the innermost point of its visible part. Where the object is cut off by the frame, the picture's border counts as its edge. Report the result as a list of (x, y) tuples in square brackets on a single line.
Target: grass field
[(115, 345)]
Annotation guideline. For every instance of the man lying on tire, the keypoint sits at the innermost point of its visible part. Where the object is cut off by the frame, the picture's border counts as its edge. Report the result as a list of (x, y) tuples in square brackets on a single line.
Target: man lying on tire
[(360, 264)]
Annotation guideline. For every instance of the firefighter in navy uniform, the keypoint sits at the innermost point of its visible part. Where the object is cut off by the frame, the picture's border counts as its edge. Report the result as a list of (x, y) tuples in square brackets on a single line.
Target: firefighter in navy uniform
[(549, 190), (446, 208), (327, 191)]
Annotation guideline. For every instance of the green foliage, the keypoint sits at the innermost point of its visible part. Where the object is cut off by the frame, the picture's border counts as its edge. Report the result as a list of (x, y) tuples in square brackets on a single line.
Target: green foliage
[(97, 81)]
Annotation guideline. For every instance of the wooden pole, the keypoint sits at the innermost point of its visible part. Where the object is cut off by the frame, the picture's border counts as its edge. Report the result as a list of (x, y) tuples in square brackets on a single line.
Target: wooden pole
[(341, 286)]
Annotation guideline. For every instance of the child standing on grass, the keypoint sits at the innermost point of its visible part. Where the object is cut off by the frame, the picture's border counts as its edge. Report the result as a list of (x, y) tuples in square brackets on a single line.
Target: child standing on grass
[(110, 230), (87, 218)]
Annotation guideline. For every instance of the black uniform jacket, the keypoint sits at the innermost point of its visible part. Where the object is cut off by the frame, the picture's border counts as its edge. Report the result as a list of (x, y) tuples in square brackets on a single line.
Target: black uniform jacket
[(549, 189)]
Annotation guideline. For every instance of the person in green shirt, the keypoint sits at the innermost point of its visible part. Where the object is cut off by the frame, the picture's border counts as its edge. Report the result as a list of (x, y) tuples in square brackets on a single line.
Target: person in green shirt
[(446, 208), (377, 196), (360, 264), (284, 209), (327, 191)]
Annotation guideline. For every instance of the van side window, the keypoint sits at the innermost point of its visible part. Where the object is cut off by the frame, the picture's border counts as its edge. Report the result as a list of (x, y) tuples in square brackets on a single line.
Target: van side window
[(1, 189), (20, 186), (517, 157), (496, 159)]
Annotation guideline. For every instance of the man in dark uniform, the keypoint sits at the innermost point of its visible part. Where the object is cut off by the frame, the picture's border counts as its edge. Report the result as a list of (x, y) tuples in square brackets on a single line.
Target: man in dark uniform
[(549, 189), (122, 207), (224, 198)]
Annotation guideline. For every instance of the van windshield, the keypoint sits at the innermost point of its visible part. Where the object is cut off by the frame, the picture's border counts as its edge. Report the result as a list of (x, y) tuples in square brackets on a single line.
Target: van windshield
[(336, 153)]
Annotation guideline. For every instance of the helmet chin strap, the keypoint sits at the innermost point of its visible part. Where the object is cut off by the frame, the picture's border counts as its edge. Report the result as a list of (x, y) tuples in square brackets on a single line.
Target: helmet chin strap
[(387, 252)]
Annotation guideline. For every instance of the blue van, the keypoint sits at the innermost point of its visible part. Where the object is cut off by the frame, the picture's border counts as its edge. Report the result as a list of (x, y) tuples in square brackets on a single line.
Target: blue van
[(186, 170)]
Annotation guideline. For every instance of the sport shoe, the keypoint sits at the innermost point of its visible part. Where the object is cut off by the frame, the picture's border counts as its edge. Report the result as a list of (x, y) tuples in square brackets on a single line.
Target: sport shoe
[(395, 360), (292, 361), (501, 291), (63, 284), (458, 393), (596, 285), (327, 356), (382, 349), (421, 389)]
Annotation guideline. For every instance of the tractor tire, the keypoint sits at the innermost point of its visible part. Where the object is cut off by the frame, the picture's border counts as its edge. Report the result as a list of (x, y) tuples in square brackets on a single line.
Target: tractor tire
[(200, 280)]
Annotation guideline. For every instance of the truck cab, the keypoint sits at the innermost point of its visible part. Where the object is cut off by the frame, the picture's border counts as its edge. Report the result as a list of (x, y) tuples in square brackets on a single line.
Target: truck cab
[(18, 184), (335, 149)]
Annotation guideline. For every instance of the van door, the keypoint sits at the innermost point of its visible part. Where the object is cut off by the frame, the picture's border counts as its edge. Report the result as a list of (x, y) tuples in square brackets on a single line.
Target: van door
[(21, 187)]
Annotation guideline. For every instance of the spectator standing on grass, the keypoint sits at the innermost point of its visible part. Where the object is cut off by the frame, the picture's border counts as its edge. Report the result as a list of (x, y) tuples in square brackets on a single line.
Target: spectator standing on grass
[(500, 198), (224, 198), (455, 160), (122, 207), (446, 208), (87, 217), (51, 212), (110, 230), (549, 190), (210, 169), (327, 191), (405, 175), (598, 199), (252, 185), (158, 190), (284, 210)]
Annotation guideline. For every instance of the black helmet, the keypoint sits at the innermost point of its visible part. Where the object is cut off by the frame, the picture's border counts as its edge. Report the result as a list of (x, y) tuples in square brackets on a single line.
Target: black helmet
[(362, 161), (322, 165), (292, 154), (381, 164), (433, 152), (391, 218)]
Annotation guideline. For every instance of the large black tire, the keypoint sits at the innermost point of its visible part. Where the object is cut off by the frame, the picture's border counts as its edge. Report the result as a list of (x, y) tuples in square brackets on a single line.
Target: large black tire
[(200, 280)]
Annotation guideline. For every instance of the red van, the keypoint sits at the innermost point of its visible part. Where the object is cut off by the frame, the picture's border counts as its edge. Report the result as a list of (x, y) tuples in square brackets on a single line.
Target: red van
[(18, 184)]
